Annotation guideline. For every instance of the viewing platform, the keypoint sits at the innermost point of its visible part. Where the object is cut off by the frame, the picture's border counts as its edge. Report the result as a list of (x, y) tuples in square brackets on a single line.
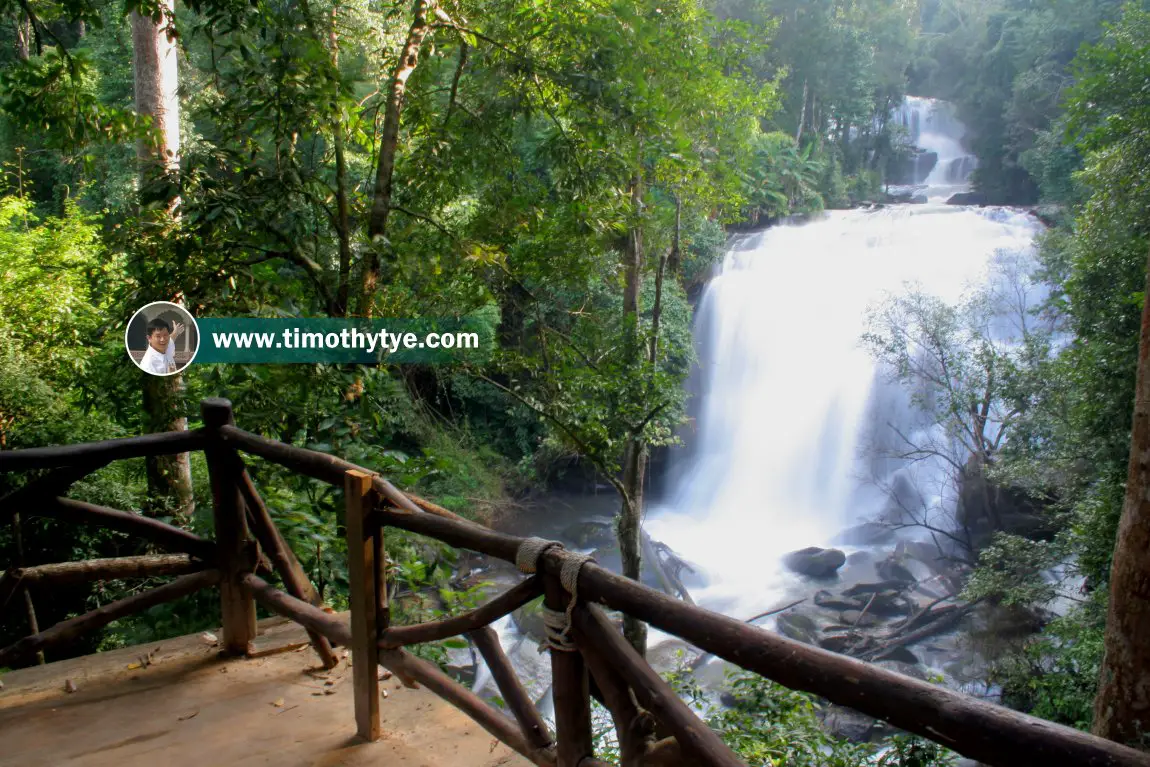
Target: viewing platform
[(188, 707)]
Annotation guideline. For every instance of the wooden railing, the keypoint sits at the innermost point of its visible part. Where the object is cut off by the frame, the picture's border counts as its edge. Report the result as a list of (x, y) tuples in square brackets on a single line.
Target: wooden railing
[(590, 660)]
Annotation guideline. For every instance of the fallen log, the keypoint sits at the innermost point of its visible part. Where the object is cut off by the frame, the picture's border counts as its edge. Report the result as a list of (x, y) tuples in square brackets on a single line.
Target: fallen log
[(670, 582), (943, 623), (68, 630)]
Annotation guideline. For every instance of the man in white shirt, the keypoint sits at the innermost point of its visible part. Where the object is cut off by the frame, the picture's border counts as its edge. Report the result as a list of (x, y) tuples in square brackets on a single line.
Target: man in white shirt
[(160, 357)]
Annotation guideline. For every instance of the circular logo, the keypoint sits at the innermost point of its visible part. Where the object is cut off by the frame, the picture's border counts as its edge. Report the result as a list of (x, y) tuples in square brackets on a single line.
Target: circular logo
[(162, 338)]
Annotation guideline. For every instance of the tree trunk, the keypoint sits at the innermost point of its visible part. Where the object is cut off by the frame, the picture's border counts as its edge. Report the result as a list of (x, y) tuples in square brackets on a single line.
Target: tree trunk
[(634, 453), (802, 114), (389, 144), (343, 213), (1122, 706), (156, 83), (157, 97), (23, 37), (630, 533)]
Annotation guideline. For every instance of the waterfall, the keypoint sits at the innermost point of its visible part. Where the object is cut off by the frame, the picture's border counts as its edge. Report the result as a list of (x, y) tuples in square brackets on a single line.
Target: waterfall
[(932, 127), (790, 398)]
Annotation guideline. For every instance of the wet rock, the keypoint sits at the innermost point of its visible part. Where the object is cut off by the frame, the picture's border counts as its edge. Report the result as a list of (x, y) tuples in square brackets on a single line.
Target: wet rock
[(870, 588), (837, 642), (912, 670), (851, 725), (891, 570), (815, 562), (528, 619), (859, 618), (589, 534), (866, 534), (900, 655), (461, 666), (670, 655), (860, 558), (889, 604), (798, 626), (831, 601), (919, 199), (967, 198)]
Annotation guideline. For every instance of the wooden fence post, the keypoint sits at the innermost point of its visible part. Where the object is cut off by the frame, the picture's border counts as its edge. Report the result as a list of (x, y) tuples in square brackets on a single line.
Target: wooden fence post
[(364, 601), (570, 690), (237, 608)]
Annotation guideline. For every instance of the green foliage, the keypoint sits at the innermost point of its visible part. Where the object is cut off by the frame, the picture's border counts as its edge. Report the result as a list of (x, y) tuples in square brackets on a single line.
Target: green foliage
[(51, 272), (767, 724), (1056, 674), (782, 178), (1005, 65)]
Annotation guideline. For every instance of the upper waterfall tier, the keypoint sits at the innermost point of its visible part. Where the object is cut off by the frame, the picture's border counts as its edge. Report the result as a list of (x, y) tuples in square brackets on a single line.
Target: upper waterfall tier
[(943, 166)]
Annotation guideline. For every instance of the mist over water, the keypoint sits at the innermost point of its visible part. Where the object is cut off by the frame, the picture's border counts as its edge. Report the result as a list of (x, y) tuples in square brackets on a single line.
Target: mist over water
[(791, 398)]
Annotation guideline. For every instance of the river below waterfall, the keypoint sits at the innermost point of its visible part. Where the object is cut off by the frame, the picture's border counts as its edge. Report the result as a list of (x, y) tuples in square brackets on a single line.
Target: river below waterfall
[(791, 412)]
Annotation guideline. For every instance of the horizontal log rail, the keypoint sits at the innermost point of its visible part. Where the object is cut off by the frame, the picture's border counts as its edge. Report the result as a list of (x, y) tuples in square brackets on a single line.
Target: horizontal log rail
[(146, 566), (163, 443), (327, 468), (68, 630), (655, 728), (168, 536), (433, 631), (55, 482)]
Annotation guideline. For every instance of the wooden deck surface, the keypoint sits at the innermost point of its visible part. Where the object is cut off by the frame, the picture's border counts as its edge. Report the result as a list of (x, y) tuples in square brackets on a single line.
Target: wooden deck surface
[(188, 708)]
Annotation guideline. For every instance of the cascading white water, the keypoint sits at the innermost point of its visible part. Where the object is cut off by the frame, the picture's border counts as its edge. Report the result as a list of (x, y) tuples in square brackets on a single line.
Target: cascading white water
[(932, 126), (790, 395)]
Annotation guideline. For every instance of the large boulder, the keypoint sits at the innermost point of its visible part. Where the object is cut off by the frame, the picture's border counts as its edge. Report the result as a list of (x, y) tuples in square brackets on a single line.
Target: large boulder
[(890, 569), (967, 198), (815, 562), (798, 626), (528, 619), (590, 534)]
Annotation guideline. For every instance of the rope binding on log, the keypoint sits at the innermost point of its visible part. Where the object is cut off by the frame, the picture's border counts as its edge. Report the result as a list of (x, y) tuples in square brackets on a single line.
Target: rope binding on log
[(556, 624)]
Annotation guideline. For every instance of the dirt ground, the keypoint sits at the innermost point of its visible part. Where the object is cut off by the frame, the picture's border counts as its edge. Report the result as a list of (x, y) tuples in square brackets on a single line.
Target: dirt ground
[(176, 704)]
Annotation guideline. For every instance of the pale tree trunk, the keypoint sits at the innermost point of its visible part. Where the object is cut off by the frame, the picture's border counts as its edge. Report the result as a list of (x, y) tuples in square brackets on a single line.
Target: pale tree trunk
[(802, 114), (634, 453), (405, 66), (1122, 707), (157, 97), (23, 36)]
